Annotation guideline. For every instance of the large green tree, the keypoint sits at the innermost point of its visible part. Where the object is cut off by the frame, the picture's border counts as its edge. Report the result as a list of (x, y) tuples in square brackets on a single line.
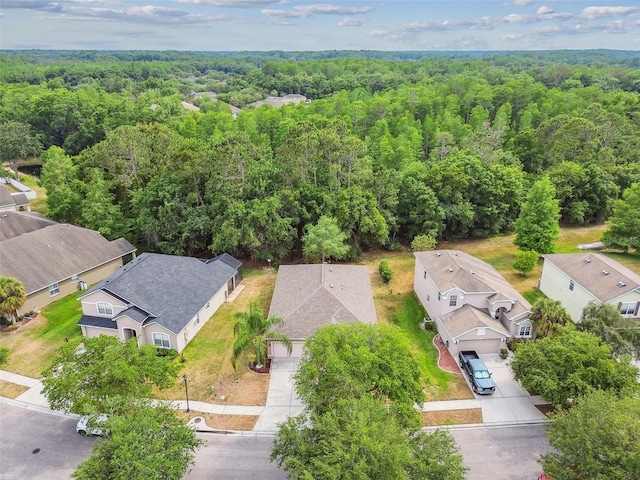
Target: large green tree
[(59, 178), (12, 297), (604, 320), (252, 331), (571, 364), (624, 225), (324, 240), (17, 142), (537, 225), (88, 373), (145, 441), (358, 360), (360, 439), (596, 439)]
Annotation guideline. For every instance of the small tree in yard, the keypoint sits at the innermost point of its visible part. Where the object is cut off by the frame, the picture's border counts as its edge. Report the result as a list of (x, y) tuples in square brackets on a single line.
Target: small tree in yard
[(252, 331), (421, 243), (624, 225), (325, 240), (12, 297), (526, 261), (385, 271)]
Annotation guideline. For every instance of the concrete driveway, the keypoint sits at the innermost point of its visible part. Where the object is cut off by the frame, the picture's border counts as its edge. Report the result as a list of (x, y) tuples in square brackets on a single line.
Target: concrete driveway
[(510, 402)]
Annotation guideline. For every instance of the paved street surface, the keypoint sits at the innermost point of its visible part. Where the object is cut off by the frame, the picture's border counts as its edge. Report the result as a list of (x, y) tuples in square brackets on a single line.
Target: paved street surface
[(502, 453), (230, 457), (39, 446)]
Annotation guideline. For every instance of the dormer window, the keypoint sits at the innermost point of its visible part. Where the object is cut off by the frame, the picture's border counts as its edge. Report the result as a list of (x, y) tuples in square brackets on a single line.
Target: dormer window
[(104, 308), (453, 300)]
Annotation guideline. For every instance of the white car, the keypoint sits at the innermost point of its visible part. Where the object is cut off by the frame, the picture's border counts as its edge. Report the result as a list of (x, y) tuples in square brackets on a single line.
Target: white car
[(95, 428)]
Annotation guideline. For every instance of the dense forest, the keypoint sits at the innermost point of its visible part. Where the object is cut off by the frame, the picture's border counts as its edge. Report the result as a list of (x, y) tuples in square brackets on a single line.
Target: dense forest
[(392, 144)]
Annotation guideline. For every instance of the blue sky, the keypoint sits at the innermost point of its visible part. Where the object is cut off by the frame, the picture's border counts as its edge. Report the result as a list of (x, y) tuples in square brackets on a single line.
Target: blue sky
[(317, 25)]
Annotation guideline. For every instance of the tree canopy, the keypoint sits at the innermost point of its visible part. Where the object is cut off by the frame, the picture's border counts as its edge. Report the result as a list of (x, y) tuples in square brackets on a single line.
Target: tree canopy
[(12, 297), (537, 225), (324, 240), (596, 439), (604, 320), (88, 373), (624, 225), (548, 316), (571, 364)]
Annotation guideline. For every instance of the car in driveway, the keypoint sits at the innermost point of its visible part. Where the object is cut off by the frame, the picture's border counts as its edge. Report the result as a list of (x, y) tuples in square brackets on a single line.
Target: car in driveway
[(92, 425)]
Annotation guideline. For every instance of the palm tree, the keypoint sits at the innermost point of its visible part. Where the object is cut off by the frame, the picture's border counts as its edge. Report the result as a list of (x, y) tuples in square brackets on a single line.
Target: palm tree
[(12, 297), (547, 315), (252, 331)]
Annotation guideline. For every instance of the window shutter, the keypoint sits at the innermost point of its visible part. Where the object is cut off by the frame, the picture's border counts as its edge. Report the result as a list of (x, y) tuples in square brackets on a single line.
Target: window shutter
[(619, 306)]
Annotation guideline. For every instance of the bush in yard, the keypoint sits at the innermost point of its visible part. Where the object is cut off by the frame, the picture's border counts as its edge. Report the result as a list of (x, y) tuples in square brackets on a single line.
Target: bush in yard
[(4, 355), (420, 243), (385, 271), (526, 261)]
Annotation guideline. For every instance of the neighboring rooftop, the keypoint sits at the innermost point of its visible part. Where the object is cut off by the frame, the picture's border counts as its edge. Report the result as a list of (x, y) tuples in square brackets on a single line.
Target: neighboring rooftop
[(48, 255), (277, 102), (308, 297), (603, 277), (13, 224), (168, 289)]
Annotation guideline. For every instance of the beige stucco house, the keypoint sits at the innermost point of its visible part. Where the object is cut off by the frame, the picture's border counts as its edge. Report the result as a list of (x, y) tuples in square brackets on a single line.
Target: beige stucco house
[(308, 297), (161, 300), (575, 279), (53, 260), (472, 305)]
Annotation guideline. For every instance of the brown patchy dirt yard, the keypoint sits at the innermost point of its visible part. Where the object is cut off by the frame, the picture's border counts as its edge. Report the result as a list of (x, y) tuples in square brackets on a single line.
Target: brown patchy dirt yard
[(452, 417)]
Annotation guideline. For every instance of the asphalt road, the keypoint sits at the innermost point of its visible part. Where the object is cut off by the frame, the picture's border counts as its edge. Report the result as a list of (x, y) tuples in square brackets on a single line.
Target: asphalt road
[(39, 445), (43, 446), (502, 453)]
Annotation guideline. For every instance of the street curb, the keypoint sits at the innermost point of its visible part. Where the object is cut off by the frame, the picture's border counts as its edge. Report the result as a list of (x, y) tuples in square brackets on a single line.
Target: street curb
[(37, 408)]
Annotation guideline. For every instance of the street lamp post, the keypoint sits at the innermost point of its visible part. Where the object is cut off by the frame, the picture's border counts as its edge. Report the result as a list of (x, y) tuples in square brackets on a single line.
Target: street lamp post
[(186, 390)]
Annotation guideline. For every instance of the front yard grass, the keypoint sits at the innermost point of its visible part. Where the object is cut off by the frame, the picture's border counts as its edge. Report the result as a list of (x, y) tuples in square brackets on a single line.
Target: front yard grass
[(33, 346)]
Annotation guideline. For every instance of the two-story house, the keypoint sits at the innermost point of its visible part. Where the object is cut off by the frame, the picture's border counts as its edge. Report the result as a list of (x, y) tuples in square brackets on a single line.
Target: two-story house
[(575, 279), (472, 305)]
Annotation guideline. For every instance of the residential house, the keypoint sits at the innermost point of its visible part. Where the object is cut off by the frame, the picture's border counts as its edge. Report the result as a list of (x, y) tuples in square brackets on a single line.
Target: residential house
[(161, 300), (53, 259), (575, 279), (308, 297), (472, 305), (13, 202)]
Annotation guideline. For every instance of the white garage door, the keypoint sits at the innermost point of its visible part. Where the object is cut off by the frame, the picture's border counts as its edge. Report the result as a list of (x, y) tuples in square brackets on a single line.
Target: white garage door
[(280, 350)]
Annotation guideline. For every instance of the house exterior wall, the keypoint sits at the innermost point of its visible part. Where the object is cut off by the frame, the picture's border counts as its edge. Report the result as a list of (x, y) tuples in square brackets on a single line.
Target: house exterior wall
[(90, 304), (40, 299), (91, 332), (554, 283)]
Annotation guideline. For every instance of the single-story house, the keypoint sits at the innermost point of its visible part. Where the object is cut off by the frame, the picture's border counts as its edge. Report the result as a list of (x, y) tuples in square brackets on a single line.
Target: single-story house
[(307, 297), (575, 279), (15, 202), (472, 305), (53, 259), (161, 300)]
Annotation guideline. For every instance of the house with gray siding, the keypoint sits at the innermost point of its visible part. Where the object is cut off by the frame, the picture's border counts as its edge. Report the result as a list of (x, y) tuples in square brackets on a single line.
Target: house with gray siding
[(161, 300), (472, 305), (308, 297), (575, 279)]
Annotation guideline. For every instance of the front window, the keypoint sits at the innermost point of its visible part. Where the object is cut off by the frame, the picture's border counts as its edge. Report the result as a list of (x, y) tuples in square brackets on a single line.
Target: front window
[(75, 278), (525, 330), (453, 300), (161, 340), (196, 320), (628, 308), (54, 289), (104, 308)]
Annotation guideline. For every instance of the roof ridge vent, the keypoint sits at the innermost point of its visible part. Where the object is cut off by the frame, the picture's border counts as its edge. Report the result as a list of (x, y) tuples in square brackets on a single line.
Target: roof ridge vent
[(587, 260), (604, 272), (438, 254), (622, 284), (450, 270)]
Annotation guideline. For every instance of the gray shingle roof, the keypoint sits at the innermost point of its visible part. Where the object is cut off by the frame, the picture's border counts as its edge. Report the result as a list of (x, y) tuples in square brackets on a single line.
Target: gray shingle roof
[(307, 298), (13, 224), (57, 252), (102, 322), (454, 269), (587, 270), (468, 317), (172, 289)]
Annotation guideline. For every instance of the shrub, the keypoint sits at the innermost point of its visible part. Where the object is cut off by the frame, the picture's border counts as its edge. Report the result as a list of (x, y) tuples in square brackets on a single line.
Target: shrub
[(526, 261), (385, 271), (166, 352), (420, 243)]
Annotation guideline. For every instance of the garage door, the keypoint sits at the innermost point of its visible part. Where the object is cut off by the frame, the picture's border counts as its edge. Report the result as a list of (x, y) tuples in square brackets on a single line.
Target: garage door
[(280, 350), (482, 346)]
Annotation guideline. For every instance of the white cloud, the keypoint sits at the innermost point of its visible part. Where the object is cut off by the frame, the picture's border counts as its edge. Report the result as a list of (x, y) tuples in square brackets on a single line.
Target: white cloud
[(304, 11), (233, 3), (522, 3), (544, 10), (139, 14), (351, 22), (593, 13)]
